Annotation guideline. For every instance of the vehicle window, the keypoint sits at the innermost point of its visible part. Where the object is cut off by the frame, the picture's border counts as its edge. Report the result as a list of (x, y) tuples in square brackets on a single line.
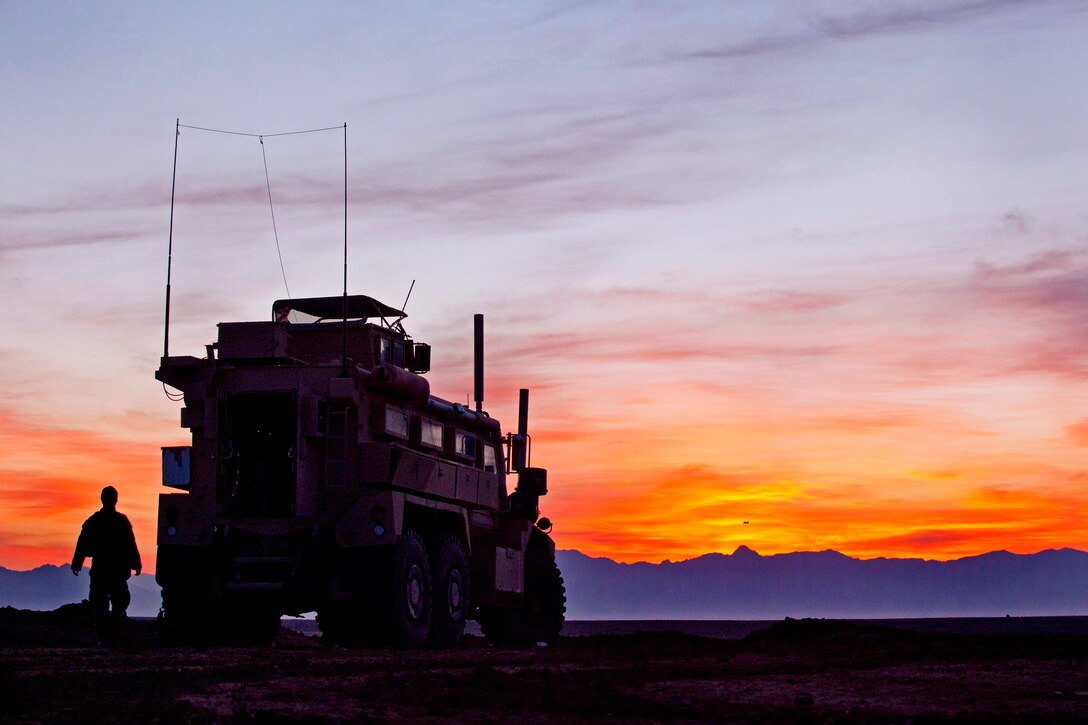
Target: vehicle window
[(489, 459), (430, 433), (392, 351), (396, 422), (466, 445)]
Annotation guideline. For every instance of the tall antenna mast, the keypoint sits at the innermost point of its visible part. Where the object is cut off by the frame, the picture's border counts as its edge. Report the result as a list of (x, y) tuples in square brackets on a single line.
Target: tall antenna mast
[(344, 328), (170, 240)]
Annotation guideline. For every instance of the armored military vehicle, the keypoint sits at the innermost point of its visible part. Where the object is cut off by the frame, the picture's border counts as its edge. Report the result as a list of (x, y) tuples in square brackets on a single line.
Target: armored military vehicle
[(324, 476)]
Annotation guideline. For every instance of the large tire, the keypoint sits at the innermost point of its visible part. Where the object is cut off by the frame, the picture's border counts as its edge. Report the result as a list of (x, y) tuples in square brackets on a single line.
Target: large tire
[(540, 618), (247, 625), (450, 587), (408, 604), (494, 624), (358, 618), (192, 620), (339, 623), (179, 617)]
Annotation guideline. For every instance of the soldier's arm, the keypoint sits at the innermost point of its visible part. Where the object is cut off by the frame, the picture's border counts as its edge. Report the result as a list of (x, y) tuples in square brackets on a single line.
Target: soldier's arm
[(80, 554), (137, 565)]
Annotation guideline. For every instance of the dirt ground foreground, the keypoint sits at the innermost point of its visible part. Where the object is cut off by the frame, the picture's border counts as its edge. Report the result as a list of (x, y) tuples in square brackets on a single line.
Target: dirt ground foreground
[(796, 671)]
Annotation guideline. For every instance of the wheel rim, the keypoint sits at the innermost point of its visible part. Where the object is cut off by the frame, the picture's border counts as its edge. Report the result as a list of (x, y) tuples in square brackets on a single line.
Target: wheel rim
[(414, 592), (453, 594)]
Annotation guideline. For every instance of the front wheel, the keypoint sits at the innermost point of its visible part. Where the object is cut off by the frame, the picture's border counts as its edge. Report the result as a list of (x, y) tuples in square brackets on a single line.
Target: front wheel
[(540, 618)]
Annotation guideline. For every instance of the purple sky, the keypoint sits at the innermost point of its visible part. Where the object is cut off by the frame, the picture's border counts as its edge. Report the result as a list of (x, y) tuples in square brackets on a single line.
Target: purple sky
[(823, 266)]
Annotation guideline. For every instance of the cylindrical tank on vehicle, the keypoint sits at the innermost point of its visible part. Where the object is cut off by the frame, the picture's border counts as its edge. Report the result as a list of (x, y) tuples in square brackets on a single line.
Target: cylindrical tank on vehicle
[(399, 382)]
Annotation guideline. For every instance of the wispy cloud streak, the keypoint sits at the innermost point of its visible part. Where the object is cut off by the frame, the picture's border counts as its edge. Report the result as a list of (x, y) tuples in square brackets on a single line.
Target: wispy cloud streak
[(878, 20)]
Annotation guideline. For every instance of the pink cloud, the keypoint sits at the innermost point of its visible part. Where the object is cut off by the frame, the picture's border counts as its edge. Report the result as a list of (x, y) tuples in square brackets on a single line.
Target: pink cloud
[(876, 21), (792, 301), (11, 241), (1078, 432)]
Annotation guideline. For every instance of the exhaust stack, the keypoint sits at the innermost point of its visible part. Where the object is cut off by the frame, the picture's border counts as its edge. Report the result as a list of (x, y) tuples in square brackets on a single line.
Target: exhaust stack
[(520, 448), (523, 412), (478, 360)]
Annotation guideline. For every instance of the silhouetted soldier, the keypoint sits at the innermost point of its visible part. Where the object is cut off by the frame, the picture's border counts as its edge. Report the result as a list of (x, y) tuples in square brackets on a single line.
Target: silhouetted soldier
[(108, 539)]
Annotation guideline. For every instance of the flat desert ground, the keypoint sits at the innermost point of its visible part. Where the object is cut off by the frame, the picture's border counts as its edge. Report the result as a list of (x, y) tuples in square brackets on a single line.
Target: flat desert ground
[(793, 671)]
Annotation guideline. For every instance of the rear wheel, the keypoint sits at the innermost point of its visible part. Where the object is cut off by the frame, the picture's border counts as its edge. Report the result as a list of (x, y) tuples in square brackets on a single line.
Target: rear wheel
[(194, 620), (355, 616), (339, 623), (243, 624), (450, 586), (408, 607), (179, 617)]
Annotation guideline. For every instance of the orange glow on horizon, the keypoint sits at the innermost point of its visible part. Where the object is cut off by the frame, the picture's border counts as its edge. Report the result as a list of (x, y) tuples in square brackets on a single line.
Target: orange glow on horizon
[(850, 487), (668, 472), (52, 480)]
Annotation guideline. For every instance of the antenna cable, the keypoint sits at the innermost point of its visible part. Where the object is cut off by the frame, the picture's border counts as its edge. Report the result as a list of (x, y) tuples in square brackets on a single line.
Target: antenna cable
[(268, 185)]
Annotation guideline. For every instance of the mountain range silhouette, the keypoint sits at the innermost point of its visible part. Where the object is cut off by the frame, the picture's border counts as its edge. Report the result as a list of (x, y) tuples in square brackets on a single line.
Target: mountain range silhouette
[(746, 585), (741, 585)]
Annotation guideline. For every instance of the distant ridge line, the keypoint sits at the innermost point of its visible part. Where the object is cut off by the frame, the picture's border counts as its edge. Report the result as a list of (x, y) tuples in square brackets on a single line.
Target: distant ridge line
[(743, 585), (744, 549)]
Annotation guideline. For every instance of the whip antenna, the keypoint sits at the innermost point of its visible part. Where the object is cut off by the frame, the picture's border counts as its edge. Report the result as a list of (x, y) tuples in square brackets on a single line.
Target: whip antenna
[(344, 328), (170, 241)]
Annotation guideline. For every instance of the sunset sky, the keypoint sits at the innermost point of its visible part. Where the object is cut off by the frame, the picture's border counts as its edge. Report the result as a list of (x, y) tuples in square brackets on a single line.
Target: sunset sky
[(820, 267)]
